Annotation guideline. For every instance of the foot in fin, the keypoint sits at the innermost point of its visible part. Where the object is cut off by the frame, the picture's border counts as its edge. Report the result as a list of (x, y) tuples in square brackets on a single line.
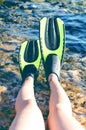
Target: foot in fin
[(52, 37), (29, 59)]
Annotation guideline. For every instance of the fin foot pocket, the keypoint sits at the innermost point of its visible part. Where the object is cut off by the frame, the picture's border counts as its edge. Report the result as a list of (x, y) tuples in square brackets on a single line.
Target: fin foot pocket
[(52, 65)]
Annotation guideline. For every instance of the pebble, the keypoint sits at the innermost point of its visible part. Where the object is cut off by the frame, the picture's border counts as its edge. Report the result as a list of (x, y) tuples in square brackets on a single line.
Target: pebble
[(3, 89)]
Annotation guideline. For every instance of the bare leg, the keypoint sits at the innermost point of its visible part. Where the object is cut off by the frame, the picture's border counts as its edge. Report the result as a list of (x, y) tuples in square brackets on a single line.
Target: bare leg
[(60, 112), (28, 115)]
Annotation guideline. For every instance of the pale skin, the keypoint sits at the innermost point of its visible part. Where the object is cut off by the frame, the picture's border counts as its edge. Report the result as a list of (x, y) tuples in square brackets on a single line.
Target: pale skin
[(29, 116)]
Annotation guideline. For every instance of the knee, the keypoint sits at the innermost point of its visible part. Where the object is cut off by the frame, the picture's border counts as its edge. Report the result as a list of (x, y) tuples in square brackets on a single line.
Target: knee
[(65, 108), (28, 102), (61, 107), (25, 103)]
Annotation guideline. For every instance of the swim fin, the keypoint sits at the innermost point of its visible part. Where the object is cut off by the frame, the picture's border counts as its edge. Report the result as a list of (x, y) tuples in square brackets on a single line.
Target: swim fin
[(52, 37), (29, 58)]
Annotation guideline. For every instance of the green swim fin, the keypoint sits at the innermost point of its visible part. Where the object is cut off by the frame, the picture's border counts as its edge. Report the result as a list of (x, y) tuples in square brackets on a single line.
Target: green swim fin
[(29, 58), (52, 37)]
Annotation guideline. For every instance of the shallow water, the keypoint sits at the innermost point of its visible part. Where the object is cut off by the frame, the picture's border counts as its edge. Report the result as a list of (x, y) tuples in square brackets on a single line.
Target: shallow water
[(19, 21)]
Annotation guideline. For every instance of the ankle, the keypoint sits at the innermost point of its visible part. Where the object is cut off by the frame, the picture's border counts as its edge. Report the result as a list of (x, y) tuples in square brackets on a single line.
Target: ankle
[(52, 77), (28, 79)]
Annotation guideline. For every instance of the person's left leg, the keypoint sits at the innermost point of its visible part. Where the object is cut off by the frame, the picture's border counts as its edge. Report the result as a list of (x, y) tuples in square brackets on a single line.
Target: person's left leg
[(28, 115)]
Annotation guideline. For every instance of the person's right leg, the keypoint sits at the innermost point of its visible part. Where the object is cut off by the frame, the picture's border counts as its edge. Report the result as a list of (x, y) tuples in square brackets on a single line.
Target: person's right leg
[(60, 112), (28, 115)]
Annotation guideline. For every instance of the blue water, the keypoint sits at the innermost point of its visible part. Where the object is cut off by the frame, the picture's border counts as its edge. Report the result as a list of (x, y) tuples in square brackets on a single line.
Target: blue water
[(21, 19)]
